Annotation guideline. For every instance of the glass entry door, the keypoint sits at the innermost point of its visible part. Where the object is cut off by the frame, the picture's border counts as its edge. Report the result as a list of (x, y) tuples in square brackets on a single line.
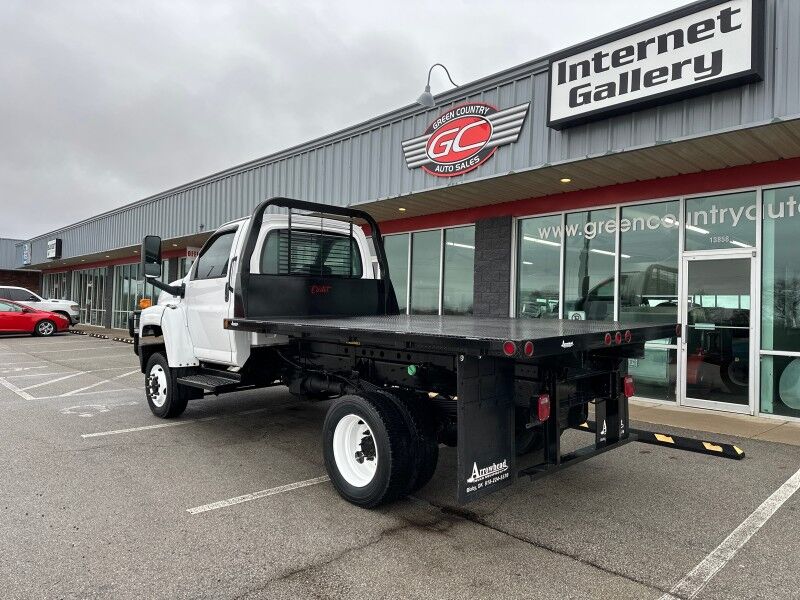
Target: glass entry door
[(716, 344)]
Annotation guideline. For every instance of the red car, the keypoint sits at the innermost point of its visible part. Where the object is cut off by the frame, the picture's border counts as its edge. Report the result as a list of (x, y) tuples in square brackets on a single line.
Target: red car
[(18, 318)]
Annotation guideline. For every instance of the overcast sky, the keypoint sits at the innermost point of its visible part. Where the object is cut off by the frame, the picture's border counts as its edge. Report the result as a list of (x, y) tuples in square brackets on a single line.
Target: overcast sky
[(103, 103)]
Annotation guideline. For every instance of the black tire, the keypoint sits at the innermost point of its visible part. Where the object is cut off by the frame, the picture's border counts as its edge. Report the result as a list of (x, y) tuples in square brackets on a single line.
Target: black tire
[(44, 328), (175, 397), (422, 425), (392, 443)]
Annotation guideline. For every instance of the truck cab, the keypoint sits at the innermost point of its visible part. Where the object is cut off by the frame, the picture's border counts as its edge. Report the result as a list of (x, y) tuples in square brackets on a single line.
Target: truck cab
[(189, 325)]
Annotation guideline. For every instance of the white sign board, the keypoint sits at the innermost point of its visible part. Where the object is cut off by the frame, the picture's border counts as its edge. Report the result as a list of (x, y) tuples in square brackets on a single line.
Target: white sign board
[(54, 248), (698, 49)]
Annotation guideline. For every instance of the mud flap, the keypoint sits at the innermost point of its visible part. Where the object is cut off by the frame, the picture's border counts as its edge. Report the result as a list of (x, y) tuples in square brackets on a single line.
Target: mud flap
[(485, 426), (611, 416)]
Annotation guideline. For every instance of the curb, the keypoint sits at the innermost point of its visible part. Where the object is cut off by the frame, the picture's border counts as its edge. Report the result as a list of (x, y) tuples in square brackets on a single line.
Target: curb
[(101, 336)]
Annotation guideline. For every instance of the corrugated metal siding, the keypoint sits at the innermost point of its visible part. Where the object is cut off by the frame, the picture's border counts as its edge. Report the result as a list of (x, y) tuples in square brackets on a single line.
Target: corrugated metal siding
[(8, 253), (365, 163)]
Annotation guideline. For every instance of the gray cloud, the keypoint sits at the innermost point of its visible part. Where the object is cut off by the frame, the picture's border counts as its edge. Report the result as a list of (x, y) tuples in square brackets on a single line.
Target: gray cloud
[(106, 102)]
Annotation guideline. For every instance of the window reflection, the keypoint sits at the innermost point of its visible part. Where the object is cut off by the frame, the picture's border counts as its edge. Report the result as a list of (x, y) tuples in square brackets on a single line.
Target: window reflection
[(589, 265), (538, 267), (459, 269), (425, 253), (396, 248), (648, 290)]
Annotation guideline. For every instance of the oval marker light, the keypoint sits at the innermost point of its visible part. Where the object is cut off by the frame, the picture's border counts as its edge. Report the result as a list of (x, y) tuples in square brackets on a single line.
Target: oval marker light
[(528, 348), (618, 338), (607, 339), (543, 407), (509, 348), (628, 336)]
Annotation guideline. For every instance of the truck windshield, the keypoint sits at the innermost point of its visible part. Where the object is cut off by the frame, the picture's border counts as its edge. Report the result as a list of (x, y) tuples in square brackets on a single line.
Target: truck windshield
[(312, 253)]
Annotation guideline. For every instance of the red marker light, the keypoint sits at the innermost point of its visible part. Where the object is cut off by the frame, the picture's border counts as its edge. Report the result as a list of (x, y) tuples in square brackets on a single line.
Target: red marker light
[(543, 407), (618, 338), (628, 336), (628, 388), (607, 339), (528, 348), (509, 348)]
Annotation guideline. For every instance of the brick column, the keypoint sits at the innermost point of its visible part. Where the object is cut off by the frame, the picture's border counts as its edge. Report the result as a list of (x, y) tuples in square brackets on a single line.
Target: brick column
[(492, 291)]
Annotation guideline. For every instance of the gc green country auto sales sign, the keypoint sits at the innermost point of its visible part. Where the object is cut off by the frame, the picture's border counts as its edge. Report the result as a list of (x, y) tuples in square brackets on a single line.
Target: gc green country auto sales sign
[(701, 48), (463, 138)]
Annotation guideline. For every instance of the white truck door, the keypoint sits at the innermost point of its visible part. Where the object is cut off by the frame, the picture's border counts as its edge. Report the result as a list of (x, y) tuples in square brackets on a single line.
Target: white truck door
[(206, 306)]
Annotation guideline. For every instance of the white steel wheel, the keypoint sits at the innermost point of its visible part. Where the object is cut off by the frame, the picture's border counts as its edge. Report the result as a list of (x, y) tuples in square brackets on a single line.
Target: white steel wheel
[(355, 451), (157, 385)]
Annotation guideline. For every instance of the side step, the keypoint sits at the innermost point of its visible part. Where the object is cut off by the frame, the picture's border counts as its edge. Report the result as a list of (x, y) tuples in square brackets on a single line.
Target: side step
[(212, 381)]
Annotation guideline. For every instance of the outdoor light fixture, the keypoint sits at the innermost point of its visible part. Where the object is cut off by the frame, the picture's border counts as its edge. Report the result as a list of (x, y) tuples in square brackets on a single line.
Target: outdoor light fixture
[(566, 180), (426, 98), (401, 209)]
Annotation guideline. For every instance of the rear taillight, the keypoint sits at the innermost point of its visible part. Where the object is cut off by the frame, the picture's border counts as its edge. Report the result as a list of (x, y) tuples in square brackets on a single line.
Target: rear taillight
[(543, 407), (607, 339), (618, 338), (528, 349), (627, 386), (628, 336), (509, 348)]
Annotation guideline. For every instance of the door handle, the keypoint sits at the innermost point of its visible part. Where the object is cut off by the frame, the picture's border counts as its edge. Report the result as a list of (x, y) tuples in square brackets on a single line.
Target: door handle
[(228, 287)]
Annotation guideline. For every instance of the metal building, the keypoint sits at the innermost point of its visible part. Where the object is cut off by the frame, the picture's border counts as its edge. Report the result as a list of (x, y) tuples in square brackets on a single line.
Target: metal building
[(650, 173)]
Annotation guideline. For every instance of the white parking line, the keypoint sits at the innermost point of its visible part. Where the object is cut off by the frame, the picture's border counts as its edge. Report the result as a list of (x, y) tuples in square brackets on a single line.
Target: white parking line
[(49, 381), (23, 351), (15, 389), (94, 385), (62, 372), (696, 580), (18, 369), (86, 393), (169, 424), (256, 495)]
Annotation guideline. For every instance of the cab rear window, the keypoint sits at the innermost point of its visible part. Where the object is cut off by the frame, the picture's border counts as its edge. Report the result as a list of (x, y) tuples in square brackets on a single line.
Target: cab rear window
[(310, 253)]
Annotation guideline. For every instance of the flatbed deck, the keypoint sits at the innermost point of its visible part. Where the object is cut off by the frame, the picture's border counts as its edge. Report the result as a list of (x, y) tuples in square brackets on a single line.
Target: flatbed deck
[(481, 336)]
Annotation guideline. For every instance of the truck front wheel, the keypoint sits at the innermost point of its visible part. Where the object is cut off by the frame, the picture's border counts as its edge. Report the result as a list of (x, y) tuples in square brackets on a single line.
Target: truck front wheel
[(165, 397), (367, 450)]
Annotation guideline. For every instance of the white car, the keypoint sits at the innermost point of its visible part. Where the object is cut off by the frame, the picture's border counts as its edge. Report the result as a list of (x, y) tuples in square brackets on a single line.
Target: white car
[(63, 307)]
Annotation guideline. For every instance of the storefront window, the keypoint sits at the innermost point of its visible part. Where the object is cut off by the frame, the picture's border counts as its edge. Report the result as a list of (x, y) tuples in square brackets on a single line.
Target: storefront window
[(721, 222), (129, 289), (780, 303), (459, 270), (56, 285), (425, 255), (538, 267), (648, 264), (590, 239), (780, 385), (656, 373), (396, 248), (88, 290)]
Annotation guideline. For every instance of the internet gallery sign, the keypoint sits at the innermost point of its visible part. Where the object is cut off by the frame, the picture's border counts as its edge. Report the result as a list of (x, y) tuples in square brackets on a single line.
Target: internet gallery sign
[(701, 48)]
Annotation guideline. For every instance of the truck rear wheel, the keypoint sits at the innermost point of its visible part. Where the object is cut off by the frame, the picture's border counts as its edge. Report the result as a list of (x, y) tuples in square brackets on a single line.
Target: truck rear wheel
[(367, 449), (165, 397)]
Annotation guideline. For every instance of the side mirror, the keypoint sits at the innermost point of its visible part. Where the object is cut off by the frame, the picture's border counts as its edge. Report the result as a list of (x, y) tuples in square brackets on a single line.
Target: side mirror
[(25, 309), (151, 256)]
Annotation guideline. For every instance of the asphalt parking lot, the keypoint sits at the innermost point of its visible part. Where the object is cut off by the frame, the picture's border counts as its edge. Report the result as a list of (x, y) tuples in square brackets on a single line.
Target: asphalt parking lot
[(100, 499)]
